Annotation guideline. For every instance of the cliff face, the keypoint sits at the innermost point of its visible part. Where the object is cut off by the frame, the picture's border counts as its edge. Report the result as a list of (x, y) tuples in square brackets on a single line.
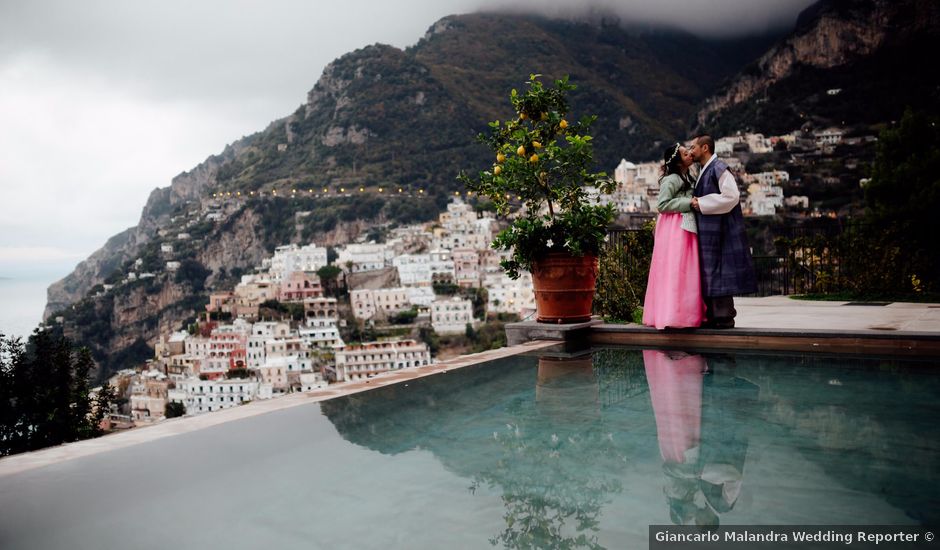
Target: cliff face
[(861, 47)]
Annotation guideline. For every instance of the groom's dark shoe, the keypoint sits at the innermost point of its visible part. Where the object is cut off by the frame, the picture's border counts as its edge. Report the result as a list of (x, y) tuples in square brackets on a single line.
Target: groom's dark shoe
[(718, 323)]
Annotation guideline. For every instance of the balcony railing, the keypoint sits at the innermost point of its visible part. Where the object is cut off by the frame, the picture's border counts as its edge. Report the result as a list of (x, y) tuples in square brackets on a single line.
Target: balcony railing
[(822, 258)]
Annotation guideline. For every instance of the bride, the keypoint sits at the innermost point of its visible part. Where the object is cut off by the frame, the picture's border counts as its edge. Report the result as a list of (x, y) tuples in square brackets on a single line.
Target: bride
[(674, 288)]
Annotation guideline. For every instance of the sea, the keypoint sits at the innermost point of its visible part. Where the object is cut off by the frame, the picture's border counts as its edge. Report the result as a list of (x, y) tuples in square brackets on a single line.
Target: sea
[(23, 299)]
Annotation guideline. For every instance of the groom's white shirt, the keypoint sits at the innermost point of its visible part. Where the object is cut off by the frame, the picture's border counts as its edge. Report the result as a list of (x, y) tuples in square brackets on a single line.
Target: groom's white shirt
[(724, 201)]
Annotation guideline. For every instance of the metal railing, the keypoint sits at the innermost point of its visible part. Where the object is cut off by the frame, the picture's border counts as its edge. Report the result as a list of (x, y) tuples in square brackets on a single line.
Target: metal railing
[(801, 260)]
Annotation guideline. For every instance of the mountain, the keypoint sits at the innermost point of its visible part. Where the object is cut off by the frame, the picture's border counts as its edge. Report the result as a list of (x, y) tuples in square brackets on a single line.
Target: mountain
[(872, 54), (381, 117)]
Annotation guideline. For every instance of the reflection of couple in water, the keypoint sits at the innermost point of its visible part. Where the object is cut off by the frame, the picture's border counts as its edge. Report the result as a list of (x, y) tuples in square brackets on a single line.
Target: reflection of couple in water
[(701, 413)]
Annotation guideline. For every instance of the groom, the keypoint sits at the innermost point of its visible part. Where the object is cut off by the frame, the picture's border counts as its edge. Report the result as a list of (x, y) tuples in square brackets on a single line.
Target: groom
[(727, 268)]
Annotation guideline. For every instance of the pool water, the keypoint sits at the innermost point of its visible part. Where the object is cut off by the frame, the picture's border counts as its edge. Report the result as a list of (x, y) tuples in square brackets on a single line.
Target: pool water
[(524, 452)]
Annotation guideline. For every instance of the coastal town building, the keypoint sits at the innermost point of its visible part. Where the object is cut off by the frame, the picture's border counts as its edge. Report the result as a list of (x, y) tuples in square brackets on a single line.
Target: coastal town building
[(148, 396), (413, 269), (291, 258), (357, 258), (251, 292), (451, 316), (505, 295), (202, 396), (297, 286), (357, 362)]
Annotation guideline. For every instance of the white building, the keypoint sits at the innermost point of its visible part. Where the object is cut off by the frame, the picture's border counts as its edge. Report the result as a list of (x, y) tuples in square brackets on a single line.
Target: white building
[(322, 337), (420, 296), (829, 136), (363, 303), (200, 396), (289, 258), (413, 269), (271, 329), (647, 173), (505, 295), (757, 143), (774, 177), (254, 351), (461, 227), (441, 265), (197, 347), (763, 200), (459, 216), (280, 371), (364, 257), (451, 316), (625, 172), (372, 358), (467, 267)]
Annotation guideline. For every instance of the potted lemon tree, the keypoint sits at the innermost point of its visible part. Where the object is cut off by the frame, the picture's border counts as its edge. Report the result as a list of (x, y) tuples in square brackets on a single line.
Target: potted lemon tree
[(542, 164)]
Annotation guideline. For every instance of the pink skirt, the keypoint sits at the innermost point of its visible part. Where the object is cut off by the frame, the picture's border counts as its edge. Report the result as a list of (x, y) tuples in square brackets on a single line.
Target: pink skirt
[(674, 288)]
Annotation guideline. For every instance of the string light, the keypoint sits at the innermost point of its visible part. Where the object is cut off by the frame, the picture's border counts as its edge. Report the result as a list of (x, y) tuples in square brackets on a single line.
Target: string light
[(326, 190)]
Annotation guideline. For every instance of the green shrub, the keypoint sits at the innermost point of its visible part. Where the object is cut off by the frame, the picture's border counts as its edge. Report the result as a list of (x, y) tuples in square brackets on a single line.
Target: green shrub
[(621, 281)]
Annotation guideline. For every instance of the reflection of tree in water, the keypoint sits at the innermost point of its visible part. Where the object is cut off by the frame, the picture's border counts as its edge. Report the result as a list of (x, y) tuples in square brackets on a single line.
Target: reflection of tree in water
[(536, 438), (559, 464)]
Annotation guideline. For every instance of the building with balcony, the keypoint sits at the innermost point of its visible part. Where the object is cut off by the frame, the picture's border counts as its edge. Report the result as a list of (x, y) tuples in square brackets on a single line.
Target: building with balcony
[(451, 316), (202, 396), (297, 286), (366, 360)]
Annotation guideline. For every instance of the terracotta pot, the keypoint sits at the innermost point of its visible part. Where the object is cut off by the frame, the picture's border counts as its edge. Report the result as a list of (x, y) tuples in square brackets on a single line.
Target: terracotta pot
[(564, 287)]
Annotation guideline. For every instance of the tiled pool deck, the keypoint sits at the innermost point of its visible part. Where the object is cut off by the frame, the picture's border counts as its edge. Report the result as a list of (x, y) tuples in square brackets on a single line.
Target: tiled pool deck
[(763, 323)]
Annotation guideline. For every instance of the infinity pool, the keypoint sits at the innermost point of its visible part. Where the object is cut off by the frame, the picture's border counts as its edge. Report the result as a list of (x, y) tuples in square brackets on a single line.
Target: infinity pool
[(525, 452)]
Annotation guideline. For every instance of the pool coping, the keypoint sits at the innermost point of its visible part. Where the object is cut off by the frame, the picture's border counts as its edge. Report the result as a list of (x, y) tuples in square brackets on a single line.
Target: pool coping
[(858, 341), (18, 463)]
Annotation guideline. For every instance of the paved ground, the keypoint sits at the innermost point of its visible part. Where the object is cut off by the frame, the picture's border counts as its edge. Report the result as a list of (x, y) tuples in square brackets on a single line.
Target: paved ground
[(781, 312)]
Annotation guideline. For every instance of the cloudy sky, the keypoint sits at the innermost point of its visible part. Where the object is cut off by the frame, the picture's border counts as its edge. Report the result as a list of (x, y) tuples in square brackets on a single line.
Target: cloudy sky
[(103, 101)]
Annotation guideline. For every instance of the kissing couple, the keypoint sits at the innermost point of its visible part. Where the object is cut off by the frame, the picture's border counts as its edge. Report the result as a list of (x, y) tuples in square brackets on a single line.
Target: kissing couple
[(701, 258)]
